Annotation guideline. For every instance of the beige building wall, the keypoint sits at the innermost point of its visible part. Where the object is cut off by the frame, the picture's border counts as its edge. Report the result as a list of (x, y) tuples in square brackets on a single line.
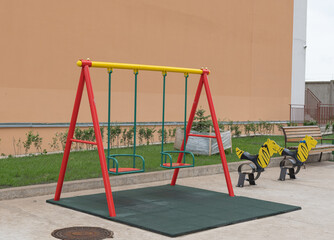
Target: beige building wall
[(247, 45)]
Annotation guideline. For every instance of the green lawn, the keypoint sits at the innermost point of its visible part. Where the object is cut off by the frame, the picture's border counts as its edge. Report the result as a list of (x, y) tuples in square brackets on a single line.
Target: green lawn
[(85, 164)]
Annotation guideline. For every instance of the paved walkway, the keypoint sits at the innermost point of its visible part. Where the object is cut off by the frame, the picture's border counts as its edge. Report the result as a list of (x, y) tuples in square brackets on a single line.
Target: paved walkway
[(313, 190)]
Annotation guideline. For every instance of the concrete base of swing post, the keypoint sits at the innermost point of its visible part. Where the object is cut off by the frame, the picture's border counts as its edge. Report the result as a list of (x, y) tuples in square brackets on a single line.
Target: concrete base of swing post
[(203, 146)]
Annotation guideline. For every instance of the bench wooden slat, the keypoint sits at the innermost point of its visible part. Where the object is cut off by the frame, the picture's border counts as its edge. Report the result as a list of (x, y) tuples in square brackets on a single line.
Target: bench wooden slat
[(303, 133), (301, 129), (302, 136), (310, 126), (298, 139)]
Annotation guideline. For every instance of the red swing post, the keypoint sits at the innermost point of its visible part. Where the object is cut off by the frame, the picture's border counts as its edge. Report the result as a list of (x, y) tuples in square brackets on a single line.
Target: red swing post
[(85, 78), (204, 81)]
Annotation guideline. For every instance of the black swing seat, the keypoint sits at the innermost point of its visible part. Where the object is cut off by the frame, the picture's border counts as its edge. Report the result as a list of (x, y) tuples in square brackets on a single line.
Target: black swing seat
[(116, 170), (172, 165)]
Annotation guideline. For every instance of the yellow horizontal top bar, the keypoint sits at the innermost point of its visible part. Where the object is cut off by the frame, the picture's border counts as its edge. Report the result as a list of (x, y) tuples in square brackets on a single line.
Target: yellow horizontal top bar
[(142, 67)]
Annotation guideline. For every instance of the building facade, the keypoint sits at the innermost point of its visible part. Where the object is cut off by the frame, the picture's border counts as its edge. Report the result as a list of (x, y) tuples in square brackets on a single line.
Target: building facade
[(247, 44)]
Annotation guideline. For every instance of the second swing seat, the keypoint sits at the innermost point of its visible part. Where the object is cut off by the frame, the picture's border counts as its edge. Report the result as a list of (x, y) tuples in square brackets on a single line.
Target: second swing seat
[(172, 165), (116, 170)]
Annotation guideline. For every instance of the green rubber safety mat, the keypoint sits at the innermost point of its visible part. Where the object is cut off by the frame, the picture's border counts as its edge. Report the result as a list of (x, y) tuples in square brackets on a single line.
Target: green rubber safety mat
[(175, 210)]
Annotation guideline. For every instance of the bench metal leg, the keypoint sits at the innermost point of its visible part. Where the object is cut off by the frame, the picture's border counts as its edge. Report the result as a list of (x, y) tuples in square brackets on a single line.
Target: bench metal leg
[(320, 157)]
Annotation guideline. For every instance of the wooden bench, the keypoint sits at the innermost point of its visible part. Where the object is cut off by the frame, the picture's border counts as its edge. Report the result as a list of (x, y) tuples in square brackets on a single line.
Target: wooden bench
[(297, 133)]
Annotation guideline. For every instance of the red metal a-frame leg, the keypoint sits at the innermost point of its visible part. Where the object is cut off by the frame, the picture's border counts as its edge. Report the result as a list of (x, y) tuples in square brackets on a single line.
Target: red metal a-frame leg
[(204, 82), (85, 78)]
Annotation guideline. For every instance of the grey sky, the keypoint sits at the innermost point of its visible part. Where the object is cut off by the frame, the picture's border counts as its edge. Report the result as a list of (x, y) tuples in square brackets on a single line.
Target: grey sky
[(320, 40)]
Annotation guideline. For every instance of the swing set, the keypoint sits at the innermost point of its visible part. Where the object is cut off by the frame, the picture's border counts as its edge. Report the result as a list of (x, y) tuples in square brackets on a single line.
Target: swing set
[(113, 164)]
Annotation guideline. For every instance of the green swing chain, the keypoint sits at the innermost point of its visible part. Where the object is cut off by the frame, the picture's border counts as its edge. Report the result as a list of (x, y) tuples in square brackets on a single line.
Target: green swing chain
[(135, 120), (164, 74), (186, 75), (109, 101)]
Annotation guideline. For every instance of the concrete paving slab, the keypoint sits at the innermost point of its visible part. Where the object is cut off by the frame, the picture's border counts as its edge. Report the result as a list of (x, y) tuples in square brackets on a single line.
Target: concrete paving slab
[(313, 190)]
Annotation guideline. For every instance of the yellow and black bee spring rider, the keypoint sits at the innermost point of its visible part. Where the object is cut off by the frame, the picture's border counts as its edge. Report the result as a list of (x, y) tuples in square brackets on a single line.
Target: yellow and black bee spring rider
[(259, 162), (297, 158)]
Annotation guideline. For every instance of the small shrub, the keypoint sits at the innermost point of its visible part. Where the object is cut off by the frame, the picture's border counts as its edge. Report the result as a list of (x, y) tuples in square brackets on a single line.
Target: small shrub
[(129, 136), (253, 128), (37, 140), (124, 137), (149, 134), (27, 143), (34, 139), (261, 127), (141, 135), (170, 132), (88, 135), (54, 143), (327, 126), (279, 126), (307, 123), (160, 135), (247, 128), (236, 130), (118, 132), (63, 139), (17, 146), (230, 126), (268, 127), (78, 134), (201, 122), (112, 135), (174, 132), (102, 133), (221, 125)]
